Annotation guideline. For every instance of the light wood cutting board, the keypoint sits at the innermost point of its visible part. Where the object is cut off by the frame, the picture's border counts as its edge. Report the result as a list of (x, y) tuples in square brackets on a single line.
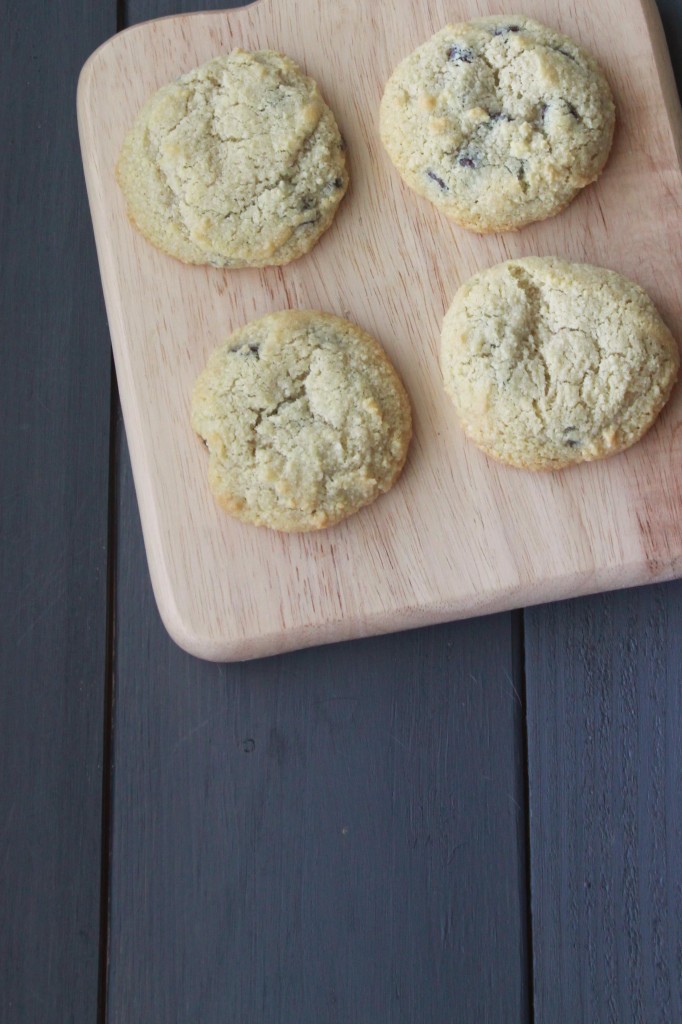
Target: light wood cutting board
[(459, 535)]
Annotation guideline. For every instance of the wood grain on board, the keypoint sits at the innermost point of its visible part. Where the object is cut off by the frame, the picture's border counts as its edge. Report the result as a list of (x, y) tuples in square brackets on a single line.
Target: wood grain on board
[(459, 535), (54, 425)]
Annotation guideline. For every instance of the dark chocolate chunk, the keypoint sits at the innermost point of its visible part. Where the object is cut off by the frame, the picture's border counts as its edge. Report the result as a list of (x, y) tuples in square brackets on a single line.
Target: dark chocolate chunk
[(461, 54), (333, 186), (544, 107), (439, 181), (247, 350), (469, 158), (521, 176), (572, 442)]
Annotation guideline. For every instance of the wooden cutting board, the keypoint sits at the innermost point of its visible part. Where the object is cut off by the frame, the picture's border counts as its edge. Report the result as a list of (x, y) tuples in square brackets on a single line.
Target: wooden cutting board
[(459, 535)]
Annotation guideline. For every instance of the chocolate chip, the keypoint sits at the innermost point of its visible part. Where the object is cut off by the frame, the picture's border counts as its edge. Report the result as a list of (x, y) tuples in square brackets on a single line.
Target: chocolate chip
[(461, 54), (247, 350), (439, 181), (502, 30), (542, 110), (572, 442), (469, 159), (307, 203), (501, 116), (333, 186)]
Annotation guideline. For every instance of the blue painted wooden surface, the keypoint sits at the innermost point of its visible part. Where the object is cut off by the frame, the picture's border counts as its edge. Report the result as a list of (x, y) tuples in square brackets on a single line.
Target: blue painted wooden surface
[(475, 822), (54, 427), (604, 706), (604, 721), (336, 834)]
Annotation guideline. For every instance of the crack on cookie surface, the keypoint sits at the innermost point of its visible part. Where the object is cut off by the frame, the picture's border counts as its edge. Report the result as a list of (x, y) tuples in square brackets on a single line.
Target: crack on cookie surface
[(550, 363), (214, 175), (308, 433)]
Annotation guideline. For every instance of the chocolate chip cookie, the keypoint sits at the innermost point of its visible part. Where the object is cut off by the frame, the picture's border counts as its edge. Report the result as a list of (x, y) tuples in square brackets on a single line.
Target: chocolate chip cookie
[(239, 163), (304, 418), (498, 121), (551, 363)]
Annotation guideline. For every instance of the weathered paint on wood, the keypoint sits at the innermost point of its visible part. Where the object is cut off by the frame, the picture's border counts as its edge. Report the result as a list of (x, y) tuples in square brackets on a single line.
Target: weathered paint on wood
[(604, 693), (604, 707), (54, 425), (604, 728), (332, 835)]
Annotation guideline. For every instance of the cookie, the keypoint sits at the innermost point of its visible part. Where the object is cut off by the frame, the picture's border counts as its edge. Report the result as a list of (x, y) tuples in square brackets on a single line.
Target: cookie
[(498, 121), (304, 418), (239, 163), (551, 363)]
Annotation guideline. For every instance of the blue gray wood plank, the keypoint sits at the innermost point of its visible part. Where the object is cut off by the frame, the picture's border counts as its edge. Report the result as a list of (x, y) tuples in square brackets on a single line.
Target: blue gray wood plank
[(604, 693), (54, 424), (332, 835), (604, 707)]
